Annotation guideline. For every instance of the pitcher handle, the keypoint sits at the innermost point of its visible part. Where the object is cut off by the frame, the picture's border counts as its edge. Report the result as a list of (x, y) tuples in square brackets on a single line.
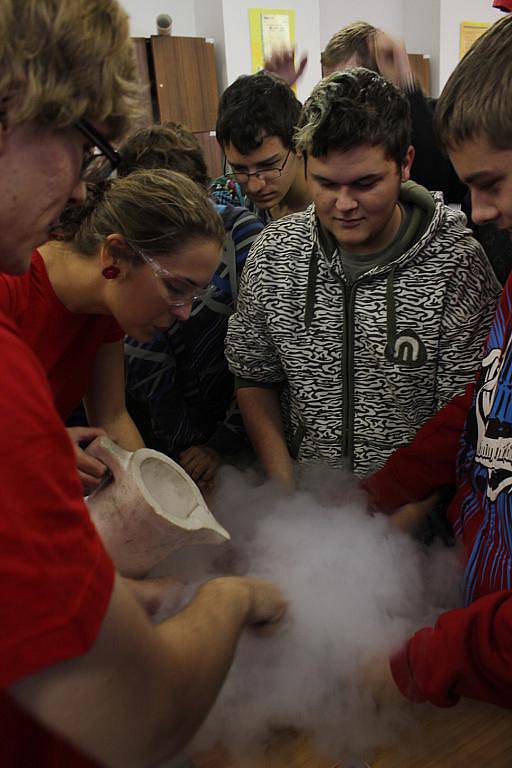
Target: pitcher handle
[(112, 455)]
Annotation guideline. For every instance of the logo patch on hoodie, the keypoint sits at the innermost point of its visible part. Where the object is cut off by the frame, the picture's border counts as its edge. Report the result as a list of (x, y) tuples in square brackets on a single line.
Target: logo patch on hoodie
[(406, 349)]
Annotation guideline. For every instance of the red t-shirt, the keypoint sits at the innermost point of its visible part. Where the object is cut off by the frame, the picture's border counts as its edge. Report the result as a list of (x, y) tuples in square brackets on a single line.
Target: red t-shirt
[(65, 342), (55, 577)]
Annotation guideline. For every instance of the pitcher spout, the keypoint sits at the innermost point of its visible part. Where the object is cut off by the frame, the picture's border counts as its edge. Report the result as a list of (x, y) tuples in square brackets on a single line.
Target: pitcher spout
[(151, 508)]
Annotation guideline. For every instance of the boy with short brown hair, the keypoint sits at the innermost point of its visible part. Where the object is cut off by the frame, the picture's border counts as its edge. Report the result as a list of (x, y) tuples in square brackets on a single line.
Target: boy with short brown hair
[(469, 442)]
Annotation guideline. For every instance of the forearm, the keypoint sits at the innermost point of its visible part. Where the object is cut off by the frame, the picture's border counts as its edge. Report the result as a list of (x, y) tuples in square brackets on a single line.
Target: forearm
[(411, 518), (426, 465), (201, 641), (122, 430), (105, 402), (176, 669), (153, 594), (261, 412)]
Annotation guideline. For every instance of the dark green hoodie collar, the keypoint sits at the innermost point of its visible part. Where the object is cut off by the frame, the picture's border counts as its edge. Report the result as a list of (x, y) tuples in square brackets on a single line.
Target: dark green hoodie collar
[(424, 207), (412, 196)]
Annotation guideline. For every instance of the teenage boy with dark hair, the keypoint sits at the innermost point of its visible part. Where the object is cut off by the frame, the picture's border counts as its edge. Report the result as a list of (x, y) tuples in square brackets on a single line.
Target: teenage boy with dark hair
[(360, 317), (256, 122), (469, 442)]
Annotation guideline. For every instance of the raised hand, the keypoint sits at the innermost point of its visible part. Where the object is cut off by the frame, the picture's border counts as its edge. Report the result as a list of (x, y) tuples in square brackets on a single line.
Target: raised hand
[(282, 64)]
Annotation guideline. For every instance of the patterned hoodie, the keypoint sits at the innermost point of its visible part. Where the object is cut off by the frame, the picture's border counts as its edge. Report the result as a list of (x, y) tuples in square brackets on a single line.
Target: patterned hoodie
[(361, 366)]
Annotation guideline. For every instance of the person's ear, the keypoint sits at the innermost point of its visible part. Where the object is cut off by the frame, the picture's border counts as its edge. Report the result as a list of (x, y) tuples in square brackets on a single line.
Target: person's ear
[(113, 261), (407, 164)]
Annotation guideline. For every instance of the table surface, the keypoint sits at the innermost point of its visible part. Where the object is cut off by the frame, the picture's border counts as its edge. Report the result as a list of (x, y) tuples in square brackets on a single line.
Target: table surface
[(471, 735)]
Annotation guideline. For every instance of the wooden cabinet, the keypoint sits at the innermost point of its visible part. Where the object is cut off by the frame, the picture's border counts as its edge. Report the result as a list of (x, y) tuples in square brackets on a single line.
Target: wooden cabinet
[(420, 66), (186, 81), (179, 79), (212, 153)]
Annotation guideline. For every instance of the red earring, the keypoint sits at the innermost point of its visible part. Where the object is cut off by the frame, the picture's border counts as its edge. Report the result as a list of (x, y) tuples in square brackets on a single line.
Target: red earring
[(110, 272)]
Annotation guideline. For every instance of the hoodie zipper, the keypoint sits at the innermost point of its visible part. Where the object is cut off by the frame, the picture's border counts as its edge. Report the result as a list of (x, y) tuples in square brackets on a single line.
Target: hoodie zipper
[(347, 435), (347, 373), (349, 293)]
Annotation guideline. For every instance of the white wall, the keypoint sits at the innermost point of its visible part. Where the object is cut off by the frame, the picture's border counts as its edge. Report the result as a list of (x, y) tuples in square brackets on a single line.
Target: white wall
[(421, 34), (237, 38), (427, 26), (210, 24), (144, 12), (452, 13), (415, 21), (227, 23), (385, 14)]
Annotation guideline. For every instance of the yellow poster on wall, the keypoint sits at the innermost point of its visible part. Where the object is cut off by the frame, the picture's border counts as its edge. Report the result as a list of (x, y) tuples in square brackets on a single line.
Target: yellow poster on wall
[(271, 29), (470, 31)]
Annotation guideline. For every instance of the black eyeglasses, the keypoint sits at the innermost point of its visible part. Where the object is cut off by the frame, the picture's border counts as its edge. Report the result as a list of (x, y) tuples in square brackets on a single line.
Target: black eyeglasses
[(101, 159), (242, 177)]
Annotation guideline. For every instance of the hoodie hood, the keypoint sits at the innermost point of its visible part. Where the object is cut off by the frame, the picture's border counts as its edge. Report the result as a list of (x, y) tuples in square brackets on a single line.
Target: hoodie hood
[(429, 217), (428, 214)]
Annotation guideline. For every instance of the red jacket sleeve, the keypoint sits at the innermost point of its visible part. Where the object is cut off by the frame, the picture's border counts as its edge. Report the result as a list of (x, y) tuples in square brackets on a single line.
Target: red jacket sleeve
[(428, 463), (468, 653)]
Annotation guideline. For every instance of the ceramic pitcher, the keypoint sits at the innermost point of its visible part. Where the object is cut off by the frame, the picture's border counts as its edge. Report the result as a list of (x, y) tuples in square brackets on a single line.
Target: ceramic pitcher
[(148, 509)]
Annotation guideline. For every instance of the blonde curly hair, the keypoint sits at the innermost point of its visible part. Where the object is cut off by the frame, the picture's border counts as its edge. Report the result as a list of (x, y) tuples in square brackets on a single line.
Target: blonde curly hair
[(62, 60), (356, 39)]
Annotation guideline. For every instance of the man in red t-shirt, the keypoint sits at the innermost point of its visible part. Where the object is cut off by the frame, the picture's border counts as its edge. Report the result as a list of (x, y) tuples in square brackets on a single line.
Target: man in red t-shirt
[(469, 442), (84, 677)]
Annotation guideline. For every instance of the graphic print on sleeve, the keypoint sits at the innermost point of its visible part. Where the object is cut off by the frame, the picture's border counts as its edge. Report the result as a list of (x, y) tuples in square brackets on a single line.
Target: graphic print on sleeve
[(485, 466)]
